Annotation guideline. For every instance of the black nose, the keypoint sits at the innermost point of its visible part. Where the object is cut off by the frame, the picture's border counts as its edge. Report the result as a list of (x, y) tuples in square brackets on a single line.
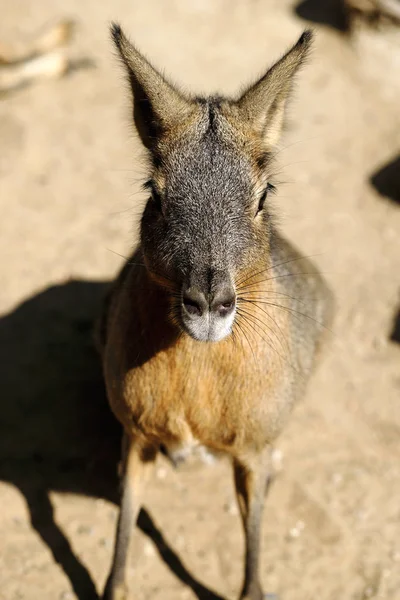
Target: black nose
[(196, 304), (223, 302)]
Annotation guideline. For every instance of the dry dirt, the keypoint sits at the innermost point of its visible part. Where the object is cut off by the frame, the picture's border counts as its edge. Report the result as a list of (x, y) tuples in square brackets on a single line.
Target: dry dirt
[(70, 173)]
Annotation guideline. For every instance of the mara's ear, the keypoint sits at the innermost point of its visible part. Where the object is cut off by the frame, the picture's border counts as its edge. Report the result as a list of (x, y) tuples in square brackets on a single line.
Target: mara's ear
[(263, 104), (157, 105)]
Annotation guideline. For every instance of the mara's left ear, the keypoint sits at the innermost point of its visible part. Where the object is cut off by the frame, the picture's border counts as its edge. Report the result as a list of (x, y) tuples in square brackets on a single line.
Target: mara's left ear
[(157, 105), (262, 105)]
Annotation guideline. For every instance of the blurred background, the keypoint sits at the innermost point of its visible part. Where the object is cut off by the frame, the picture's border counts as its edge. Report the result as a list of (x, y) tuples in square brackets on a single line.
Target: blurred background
[(70, 175)]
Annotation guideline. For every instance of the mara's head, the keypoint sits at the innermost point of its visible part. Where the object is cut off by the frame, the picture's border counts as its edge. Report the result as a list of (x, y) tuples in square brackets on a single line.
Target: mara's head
[(207, 225)]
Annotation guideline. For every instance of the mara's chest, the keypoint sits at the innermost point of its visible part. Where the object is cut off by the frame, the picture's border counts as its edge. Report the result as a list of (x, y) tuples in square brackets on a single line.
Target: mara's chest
[(213, 395)]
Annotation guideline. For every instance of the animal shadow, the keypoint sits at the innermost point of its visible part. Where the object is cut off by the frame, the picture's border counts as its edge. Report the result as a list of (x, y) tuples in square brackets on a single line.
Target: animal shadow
[(56, 429), (325, 12), (395, 334), (386, 180)]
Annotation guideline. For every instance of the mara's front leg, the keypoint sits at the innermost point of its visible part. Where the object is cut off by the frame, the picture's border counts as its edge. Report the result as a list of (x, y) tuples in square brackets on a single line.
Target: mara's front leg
[(251, 478), (137, 460)]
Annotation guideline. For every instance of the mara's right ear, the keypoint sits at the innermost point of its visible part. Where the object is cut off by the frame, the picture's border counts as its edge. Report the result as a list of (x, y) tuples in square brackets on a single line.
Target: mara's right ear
[(157, 105), (262, 105)]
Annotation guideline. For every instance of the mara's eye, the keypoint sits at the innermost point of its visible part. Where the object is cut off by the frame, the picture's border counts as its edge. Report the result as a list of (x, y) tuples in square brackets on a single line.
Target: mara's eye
[(268, 189), (156, 198)]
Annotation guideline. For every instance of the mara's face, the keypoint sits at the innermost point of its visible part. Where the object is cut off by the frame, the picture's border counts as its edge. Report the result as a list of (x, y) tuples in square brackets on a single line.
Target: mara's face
[(206, 225)]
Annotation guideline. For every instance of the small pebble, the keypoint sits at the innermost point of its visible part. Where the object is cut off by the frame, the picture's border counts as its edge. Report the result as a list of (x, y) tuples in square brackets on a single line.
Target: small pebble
[(277, 460), (149, 549), (161, 473), (84, 530), (337, 478), (361, 515), (112, 515), (231, 508), (295, 531), (396, 556), (378, 343)]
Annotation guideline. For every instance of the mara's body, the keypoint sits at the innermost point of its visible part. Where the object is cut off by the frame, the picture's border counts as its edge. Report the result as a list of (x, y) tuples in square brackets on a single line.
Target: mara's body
[(212, 328), (168, 389)]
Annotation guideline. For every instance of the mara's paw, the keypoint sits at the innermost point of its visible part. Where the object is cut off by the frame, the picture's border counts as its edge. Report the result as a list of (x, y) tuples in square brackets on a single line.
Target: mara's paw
[(257, 594), (254, 594), (116, 592)]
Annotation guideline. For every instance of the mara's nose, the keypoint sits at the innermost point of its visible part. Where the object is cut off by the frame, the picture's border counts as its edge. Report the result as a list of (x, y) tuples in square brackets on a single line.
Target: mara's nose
[(194, 302), (221, 303)]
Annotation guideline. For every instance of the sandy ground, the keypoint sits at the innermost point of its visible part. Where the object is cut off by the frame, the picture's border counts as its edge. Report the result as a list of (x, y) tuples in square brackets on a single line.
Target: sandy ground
[(70, 172)]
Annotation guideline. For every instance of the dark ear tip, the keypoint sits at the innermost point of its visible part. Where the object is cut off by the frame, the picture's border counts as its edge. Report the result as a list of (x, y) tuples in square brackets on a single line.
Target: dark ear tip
[(306, 38), (116, 33)]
